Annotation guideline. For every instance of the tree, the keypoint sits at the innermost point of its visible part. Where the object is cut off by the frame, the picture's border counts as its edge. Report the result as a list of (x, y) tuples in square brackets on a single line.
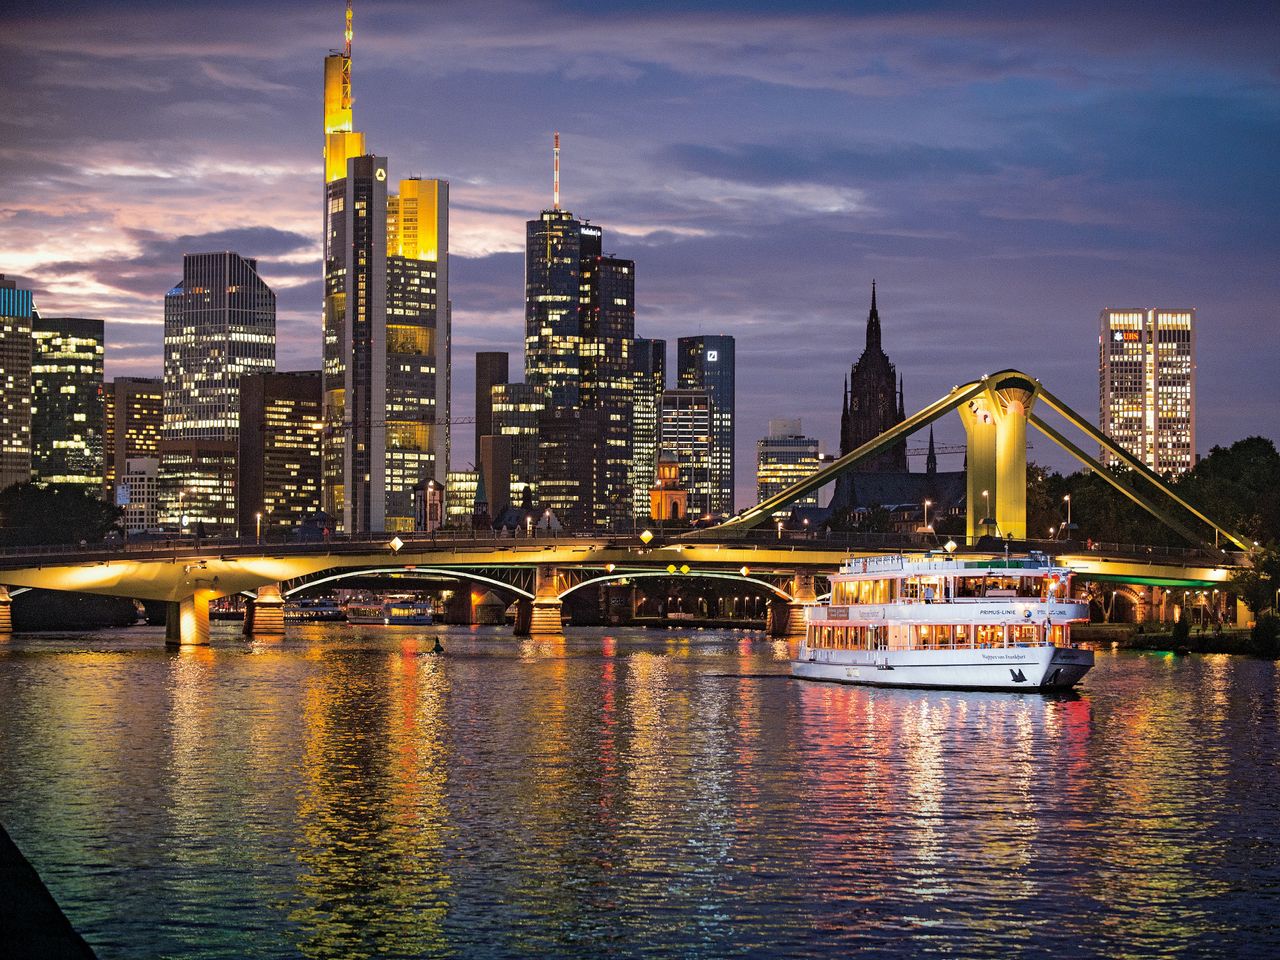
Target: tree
[(32, 515), (1257, 584)]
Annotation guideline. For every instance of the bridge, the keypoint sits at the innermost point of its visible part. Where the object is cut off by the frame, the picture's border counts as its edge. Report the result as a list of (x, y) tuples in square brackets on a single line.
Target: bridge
[(538, 574)]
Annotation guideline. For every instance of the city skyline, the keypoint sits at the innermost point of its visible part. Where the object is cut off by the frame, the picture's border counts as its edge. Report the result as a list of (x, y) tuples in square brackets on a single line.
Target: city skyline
[(987, 184)]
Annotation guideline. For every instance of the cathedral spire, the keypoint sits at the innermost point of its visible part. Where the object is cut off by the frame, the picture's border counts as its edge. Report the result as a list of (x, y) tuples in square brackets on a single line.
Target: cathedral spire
[(931, 460), (873, 322), (902, 409)]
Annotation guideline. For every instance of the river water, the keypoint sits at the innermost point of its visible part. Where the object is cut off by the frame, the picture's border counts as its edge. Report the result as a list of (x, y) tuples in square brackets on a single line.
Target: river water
[(631, 793)]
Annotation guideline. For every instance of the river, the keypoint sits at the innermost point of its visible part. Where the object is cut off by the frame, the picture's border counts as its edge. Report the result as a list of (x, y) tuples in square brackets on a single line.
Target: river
[(630, 793)]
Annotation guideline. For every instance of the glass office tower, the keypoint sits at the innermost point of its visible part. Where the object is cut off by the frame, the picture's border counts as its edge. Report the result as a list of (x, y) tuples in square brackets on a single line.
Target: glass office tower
[(67, 415), (707, 363)]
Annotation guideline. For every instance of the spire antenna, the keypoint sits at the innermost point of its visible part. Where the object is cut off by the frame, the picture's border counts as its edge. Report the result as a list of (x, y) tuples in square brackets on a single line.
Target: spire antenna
[(555, 186), (346, 49)]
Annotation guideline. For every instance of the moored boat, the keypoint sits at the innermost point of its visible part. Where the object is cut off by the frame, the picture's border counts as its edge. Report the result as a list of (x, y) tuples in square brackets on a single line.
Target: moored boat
[(996, 624), (391, 611), (314, 610)]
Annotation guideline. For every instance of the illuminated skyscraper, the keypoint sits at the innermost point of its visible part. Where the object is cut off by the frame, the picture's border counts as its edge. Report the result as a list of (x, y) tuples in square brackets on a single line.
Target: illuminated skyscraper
[(649, 361), (1147, 385), (134, 413), (786, 456), (67, 416), (219, 326), (579, 329), (279, 453), (687, 434), (386, 325), (16, 311), (516, 409), (707, 363)]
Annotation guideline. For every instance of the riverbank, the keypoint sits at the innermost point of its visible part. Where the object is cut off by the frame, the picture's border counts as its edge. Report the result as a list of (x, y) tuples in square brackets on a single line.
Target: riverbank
[(1132, 636), (32, 925)]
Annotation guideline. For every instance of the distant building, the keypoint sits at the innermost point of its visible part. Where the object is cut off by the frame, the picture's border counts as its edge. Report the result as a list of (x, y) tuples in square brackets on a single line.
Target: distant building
[(137, 493), (687, 436), (571, 467), (785, 457), (281, 424), (707, 363), (16, 313), (516, 408), (495, 468), (219, 326), (460, 498), (1147, 385), (649, 363), (492, 368), (67, 417), (133, 411)]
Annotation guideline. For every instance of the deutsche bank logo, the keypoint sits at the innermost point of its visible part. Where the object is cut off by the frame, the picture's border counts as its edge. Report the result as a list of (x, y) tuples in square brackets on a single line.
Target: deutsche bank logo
[(712, 356)]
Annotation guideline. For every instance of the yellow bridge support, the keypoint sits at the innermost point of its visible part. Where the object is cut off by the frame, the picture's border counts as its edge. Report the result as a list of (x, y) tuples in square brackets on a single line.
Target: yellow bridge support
[(264, 615), (545, 620)]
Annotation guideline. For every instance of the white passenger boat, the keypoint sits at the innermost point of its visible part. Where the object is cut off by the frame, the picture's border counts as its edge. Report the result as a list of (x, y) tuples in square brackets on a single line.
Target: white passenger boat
[(391, 611), (994, 624)]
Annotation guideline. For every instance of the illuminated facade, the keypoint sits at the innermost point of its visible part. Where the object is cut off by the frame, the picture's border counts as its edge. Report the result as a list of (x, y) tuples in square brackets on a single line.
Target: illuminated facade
[(279, 460), (668, 499), (571, 466), (67, 417), (687, 435), (460, 497), (386, 326), (707, 363), (516, 409), (16, 312), (1147, 386), (133, 411), (219, 326), (649, 362), (137, 493), (785, 457)]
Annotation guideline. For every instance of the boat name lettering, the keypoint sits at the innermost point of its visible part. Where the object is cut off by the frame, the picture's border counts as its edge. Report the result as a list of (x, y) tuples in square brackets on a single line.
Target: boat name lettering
[(1004, 657)]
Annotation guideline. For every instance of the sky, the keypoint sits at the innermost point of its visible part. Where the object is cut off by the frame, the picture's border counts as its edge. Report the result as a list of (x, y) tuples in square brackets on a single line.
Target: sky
[(1003, 171)]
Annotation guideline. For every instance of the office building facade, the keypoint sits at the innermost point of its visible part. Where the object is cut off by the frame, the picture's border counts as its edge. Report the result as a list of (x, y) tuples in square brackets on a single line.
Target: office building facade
[(492, 369), (67, 410), (517, 408), (137, 493), (649, 375), (133, 414), (785, 457), (16, 313), (1147, 385), (687, 434), (707, 363), (219, 326), (279, 475)]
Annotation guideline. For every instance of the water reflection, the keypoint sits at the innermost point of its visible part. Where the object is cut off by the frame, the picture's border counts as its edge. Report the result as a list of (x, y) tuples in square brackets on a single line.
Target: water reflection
[(622, 793)]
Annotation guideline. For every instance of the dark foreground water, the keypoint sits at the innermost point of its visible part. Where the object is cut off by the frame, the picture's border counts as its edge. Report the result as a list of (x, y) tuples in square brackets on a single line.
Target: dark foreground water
[(631, 793)]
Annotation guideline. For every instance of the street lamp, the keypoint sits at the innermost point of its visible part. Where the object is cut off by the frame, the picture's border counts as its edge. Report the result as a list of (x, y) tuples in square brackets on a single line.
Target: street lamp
[(258, 517), (1070, 526), (779, 529), (987, 520)]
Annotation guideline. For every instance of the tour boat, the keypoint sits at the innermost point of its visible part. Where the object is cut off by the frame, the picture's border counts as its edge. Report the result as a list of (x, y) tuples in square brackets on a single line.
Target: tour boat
[(313, 610), (974, 624), (391, 611)]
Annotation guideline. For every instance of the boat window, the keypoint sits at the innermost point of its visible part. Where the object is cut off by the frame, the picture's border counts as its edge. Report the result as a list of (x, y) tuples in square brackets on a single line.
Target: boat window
[(990, 635), (1024, 633)]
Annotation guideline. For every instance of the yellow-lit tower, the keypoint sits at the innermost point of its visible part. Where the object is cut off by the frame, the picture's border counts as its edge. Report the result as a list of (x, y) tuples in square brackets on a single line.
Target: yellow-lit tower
[(341, 141)]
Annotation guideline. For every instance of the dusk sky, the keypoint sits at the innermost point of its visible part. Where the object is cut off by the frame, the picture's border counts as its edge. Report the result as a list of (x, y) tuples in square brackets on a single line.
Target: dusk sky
[(1004, 172)]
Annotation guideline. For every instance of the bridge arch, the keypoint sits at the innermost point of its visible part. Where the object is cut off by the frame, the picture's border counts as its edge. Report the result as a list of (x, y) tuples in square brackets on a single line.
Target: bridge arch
[(453, 574), (692, 574)]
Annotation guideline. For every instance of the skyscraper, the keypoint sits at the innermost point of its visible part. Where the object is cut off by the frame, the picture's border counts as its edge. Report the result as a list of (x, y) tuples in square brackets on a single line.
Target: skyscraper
[(1147, 385), (687, 434), (517, 408), (785, 457), (707, 363), (279, 450), (67, 415), (579, 328), (133, 413), (16, 312), (386, 325), (491, 369), (649, 361), (219, 326)]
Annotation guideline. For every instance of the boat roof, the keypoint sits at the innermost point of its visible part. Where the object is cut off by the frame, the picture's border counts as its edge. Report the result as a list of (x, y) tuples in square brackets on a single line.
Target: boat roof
[(900, 565)]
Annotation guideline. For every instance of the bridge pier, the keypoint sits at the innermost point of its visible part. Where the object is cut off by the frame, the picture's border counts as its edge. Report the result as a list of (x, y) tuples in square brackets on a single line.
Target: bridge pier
[(6, 614), (544, 616), (524, 617), (187, 620), (802, 596), (264, 615)]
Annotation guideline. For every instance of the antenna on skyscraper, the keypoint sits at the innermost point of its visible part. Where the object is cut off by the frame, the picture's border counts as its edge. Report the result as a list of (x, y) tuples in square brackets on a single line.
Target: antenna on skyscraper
[(347, 47), (346, 63), (555, 187)]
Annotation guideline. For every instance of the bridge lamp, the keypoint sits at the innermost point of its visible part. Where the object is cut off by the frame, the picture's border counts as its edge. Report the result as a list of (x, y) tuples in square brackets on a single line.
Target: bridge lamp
[(949, 546), (779, 529), (745, 571), (671, 568), (684, 568), (645, 536), (395, 543), (608, 567)]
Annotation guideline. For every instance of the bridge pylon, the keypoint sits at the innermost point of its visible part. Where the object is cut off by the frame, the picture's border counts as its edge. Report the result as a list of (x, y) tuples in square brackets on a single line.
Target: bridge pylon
[(264, 614), (995, 421), (6, 614), (545, 618), (187, 620)]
